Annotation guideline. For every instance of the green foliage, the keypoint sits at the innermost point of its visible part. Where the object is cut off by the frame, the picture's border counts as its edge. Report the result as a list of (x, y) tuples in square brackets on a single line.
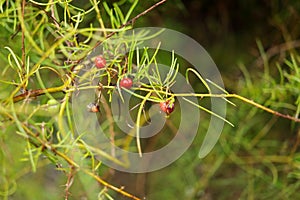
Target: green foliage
[(44, 44), (257, 159)]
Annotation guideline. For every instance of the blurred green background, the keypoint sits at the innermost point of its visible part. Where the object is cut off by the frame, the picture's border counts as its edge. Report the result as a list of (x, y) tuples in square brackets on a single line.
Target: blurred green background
[(257, 159), (255, 46)]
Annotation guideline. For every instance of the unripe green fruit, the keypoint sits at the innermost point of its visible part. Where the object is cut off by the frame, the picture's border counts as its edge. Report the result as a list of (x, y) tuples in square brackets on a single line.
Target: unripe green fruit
[(53, 106)]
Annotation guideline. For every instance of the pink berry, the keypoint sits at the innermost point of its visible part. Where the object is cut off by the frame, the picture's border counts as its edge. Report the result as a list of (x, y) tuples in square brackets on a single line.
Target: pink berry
[(100, 62), (163, 106), (126, 83), (167, 107)]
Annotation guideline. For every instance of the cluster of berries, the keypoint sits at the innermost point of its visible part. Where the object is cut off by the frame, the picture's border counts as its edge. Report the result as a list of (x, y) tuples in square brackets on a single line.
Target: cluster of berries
[(126, 82)]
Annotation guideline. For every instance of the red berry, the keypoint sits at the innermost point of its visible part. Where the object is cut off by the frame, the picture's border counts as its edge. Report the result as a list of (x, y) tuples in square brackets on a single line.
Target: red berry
[(126, 83), (167, 107), (100, 62), (163, 106)]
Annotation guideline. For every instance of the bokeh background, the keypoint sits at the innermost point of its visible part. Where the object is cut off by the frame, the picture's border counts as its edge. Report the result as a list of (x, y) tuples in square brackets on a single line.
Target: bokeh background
[(255, 45)]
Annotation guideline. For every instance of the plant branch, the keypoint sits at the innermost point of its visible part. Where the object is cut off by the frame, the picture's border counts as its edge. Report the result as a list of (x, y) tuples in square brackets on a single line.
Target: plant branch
[(277, 50), (69, 182), (102, 182), (23, 39), (244, 99), (38, 92), (131, 21), (72, 163), (34, 93)]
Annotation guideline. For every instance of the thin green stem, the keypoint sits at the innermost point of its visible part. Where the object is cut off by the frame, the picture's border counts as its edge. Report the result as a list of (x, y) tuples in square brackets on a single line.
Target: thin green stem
[(138, 121)]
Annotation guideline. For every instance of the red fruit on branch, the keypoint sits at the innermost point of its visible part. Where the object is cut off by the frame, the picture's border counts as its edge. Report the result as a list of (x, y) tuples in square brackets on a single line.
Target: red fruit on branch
[(100, 62), (126, 83), (167, 107), (163, 106), (93, 107)]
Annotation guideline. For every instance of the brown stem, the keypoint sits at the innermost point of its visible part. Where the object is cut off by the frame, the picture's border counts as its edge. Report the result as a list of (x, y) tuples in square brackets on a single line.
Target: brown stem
[(37, 92), (72, 163), (23, 38), (23, 46), (132, 20), (69, 182), (123, 25), (102, 182), (277, 50), (263, 107), (51, 16)]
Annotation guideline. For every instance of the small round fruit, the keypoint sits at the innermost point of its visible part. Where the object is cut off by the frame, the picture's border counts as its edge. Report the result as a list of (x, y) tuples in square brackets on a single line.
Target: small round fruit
[(100, 62), (52, 102), (167, 107), (170, 108), (53, 106), (126, 83), (163, 106), (92, 107)]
